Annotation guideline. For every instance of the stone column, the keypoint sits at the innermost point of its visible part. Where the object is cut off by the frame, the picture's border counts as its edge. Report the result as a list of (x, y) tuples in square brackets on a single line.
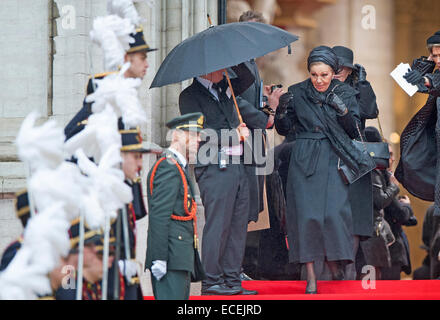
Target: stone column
[(367, 28)]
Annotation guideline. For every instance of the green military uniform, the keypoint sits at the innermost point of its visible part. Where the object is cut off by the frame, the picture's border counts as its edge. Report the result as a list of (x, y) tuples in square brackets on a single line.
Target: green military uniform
[(171, 231)]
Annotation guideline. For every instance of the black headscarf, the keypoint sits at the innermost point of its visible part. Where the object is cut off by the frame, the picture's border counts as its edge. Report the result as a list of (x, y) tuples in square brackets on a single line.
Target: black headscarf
[(434, 39), (323, 54)]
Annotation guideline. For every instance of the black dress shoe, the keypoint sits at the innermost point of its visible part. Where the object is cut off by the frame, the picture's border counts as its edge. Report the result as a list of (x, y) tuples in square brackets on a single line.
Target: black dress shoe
[(339, 275), (220, 290), (245, 277), (244, 291)]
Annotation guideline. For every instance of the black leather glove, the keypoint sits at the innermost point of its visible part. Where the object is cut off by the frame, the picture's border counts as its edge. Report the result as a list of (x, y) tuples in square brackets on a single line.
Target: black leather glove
[(414, 77), (423, 65), (285, 98), (336, 103), (360, 70), (434, 80)]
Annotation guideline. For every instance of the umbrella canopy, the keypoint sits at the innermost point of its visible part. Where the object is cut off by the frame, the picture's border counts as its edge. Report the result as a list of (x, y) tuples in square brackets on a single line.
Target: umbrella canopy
[(220, 47)]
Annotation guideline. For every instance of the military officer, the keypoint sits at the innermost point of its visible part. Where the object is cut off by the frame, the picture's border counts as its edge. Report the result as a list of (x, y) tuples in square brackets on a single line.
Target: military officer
[(172, 230)]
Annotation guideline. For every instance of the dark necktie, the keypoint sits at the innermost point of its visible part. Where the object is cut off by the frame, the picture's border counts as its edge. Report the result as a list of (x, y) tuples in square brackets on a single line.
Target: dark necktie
[(221, 89)]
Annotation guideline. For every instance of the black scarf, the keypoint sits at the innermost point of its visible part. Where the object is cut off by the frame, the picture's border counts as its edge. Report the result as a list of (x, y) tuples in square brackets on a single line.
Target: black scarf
[(342, 144)]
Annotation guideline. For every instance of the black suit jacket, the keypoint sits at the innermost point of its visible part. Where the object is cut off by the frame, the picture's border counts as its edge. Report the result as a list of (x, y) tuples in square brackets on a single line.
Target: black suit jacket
[(221, 114)]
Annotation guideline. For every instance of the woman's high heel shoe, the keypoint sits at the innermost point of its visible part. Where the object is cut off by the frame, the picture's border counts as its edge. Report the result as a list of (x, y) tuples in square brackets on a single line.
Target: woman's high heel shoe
[(312, 287)]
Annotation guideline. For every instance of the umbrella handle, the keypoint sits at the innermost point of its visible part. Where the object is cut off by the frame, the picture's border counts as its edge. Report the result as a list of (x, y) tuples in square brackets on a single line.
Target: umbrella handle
[(233, 97), (235, 101)]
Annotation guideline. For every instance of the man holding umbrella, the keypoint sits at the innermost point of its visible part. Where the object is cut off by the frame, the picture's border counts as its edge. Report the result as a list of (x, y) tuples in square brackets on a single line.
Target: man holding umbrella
[(224, 235)]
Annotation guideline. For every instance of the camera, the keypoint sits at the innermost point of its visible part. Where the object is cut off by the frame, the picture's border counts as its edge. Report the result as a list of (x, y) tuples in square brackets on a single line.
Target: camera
[(222, 161), (272, 88)]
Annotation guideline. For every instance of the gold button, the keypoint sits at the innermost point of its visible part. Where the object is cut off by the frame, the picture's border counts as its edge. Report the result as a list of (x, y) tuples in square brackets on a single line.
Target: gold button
[(179, 237)]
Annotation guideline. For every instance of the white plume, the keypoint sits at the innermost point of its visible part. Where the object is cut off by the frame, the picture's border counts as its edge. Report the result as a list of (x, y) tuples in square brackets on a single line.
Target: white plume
[(41, 147), (99, 133), (45, 241), (112, 34), (107, 191), (62, 184), (125, 9), (47, 236), (121, 94), (23, 280)]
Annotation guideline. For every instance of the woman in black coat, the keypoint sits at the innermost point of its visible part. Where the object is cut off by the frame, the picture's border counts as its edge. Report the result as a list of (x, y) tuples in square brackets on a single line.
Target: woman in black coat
[(361, 192), (324, 113)]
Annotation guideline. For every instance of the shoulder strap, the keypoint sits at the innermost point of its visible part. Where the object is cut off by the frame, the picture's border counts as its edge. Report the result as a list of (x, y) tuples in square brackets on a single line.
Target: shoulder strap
[(153, 173), (184, 182)]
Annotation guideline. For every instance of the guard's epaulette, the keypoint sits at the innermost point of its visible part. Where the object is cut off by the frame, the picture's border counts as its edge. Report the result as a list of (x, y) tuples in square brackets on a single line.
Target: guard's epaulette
[(82, 123), (98, 76)]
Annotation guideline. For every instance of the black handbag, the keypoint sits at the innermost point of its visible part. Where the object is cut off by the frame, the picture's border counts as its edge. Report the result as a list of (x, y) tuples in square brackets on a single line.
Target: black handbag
[(347, 174), (378, 151), (198, 273)]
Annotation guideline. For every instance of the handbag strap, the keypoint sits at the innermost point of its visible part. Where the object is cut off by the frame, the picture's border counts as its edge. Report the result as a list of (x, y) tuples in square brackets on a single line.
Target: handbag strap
[(360, 136), (380, 129)]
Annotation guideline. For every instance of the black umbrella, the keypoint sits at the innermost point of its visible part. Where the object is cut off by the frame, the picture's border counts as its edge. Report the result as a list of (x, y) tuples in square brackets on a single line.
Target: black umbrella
[(220, 47)]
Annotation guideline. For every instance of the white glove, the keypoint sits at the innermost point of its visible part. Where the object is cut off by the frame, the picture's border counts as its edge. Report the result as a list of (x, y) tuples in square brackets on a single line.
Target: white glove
[(159, 269), (128, 268)]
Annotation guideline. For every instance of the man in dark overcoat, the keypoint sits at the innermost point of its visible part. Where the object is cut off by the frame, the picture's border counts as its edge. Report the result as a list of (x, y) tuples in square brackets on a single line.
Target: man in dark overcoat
[(221, 175)]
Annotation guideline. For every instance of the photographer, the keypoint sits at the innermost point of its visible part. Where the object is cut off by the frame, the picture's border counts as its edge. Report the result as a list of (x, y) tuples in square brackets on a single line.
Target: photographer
[(356, 76), (399, 213), (421, 73)]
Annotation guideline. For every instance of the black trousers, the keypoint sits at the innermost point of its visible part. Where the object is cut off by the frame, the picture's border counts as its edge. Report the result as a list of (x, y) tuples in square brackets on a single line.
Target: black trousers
[(225, 197)]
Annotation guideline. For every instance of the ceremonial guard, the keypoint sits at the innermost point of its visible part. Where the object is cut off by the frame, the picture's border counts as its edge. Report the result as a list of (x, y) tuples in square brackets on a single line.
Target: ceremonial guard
[(23, 213), (132, 151), (92, 265), (172, 255), (137, 56)]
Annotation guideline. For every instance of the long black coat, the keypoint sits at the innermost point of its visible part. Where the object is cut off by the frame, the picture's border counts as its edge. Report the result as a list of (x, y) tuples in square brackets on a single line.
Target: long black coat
[(361, 192), (319, 220), (419, 157)]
